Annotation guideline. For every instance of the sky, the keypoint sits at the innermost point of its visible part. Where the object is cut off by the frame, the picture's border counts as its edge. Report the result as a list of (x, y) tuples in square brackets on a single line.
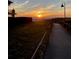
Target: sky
[(44, 8)]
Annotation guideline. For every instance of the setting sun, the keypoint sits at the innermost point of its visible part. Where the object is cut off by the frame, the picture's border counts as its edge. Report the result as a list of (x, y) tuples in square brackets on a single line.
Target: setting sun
[(39, 15)]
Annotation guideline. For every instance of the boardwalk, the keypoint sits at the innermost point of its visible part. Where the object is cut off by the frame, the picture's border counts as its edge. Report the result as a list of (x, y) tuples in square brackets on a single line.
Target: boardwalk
[(59, 45)]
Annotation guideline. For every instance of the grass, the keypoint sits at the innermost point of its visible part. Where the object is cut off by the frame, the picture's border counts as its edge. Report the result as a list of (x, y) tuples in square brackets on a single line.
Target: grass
[(24, 39)]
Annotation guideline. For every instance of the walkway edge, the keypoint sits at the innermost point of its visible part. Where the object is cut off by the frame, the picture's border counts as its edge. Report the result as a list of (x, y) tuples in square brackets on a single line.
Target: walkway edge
[(38, 46)]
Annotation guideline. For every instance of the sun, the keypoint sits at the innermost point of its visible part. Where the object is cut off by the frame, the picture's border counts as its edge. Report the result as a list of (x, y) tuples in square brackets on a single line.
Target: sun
[(39, 15)]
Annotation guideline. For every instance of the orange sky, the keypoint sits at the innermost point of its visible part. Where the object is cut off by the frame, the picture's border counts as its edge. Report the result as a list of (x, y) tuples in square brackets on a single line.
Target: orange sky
[(45, 13), (45, 8)]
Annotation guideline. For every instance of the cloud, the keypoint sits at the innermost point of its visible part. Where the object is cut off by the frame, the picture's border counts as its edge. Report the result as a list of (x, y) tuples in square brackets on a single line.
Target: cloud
[(53, 6), (50, 6), (34, 6), (19, 5)]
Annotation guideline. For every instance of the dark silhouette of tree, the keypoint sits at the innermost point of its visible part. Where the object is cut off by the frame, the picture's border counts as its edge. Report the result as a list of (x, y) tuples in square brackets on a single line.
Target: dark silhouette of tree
[(12, 13), (9, 2)]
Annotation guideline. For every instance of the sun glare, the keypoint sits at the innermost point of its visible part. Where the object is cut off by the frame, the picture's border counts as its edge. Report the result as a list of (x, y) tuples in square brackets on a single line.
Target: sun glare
[(39, 15)]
